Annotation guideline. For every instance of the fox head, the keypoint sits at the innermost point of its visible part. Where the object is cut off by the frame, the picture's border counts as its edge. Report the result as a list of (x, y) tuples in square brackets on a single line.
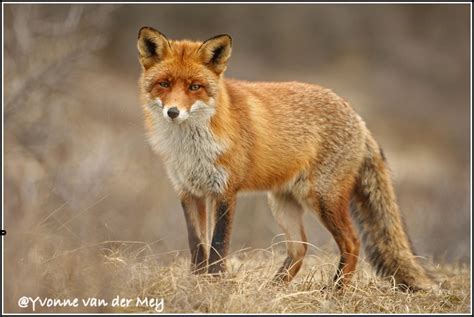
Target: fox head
[(181, 78)]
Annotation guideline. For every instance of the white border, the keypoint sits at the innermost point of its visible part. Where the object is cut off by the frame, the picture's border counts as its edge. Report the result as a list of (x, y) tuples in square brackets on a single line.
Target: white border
[(296, 3)]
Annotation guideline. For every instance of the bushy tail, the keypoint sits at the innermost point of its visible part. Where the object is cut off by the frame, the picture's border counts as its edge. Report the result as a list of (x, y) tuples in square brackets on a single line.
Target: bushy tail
[(375, 210)]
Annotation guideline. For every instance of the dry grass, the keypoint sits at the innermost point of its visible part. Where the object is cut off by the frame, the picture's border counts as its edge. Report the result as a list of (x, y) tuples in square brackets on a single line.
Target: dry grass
[(248, 289), (130, 270)]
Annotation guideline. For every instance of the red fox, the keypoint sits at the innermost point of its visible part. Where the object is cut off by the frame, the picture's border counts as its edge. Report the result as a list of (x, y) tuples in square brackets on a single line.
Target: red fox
[(301, 143)]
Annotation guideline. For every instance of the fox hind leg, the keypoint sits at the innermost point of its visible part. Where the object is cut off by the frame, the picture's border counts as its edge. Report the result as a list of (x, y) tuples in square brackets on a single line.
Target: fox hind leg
[(288, 214), (335, 217)]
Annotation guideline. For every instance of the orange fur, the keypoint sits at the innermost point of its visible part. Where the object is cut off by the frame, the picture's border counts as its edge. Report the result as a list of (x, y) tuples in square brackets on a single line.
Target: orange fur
[(301, 142)]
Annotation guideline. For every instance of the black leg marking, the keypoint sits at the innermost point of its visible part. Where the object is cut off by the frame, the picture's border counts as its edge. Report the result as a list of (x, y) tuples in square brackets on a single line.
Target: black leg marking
[(221, 236)]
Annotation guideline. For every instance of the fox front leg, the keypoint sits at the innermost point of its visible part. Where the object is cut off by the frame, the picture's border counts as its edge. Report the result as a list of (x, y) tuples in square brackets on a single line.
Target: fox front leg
[(223, 217), (195, 214)]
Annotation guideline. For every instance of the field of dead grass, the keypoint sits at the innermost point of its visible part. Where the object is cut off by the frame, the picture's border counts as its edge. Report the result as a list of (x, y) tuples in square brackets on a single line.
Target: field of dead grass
[(129, 270), (248, 288)]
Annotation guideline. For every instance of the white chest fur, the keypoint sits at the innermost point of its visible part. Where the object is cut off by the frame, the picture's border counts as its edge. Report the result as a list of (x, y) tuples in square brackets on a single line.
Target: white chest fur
[(190, 150)]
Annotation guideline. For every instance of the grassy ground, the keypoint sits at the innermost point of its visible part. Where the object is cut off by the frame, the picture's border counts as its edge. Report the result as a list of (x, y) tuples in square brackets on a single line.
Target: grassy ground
[(247, 288), (127, 270)]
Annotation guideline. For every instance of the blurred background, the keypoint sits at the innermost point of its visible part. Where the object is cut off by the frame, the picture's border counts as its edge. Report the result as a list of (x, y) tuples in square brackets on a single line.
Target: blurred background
[(81, 180)]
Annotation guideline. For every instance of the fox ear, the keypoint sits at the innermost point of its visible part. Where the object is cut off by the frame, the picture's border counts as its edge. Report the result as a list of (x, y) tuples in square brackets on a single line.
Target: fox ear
[(215, 52), (152, 46)]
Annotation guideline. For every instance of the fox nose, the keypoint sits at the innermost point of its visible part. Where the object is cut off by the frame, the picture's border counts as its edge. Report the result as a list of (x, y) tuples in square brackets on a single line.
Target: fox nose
[(173, 112)]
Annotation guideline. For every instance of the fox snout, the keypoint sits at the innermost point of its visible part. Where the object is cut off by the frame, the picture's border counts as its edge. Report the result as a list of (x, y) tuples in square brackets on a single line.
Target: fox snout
[(174, 114), (170, 113)]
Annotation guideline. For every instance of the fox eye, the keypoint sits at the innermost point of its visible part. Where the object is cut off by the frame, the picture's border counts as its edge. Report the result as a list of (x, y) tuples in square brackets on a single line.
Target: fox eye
[(194, 87), (165, 84)]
